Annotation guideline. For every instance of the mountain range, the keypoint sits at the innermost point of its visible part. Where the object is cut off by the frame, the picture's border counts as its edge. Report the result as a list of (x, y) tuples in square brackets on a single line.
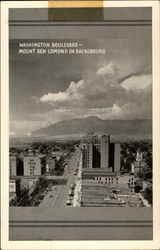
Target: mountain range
[(137, 127)]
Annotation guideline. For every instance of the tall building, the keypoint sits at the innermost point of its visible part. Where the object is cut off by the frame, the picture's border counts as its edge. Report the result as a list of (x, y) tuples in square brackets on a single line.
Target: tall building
[(15, 166), (34, 165), (100, 153), (114, 156), (104, 144), (12, 166), (91, 151)]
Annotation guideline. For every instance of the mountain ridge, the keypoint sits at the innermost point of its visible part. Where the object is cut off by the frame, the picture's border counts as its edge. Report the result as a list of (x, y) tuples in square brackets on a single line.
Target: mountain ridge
[(82, 125)]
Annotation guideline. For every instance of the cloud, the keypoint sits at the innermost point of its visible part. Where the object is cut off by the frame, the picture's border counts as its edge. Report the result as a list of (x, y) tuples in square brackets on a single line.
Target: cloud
[(102, 93), (57, 97), (139, 70), (97, 88), (137, 82), (109, 70)]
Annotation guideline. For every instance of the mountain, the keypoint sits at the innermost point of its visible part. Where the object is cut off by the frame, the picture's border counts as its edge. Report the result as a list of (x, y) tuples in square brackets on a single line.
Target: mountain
[(138, 127)]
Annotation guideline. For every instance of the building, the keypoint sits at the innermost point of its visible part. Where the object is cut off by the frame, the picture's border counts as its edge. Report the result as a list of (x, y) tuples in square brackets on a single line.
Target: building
[(34, 165), (105, 151), (14, 186), (101, 163), (139, 155), (100, 153), (15, 166), (139, 163), (138, 166), (57, 155), (113, 179), (12, 166), (50, 164)]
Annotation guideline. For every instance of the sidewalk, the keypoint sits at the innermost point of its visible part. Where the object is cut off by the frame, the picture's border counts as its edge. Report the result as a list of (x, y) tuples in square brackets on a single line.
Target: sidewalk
[(78, 181)]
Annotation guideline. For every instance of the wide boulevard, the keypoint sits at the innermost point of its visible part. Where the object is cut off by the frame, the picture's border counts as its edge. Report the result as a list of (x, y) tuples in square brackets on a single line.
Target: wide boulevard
[(58, 194)]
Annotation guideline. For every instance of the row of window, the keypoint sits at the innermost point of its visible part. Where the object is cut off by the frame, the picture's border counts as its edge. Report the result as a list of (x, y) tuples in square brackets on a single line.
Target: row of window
[(104, 178)]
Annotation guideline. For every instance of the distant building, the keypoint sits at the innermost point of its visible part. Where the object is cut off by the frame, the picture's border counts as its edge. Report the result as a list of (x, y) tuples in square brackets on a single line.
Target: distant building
[(138, 166), (14, 186), (15, 166), (57, 155), (34, 165), (50, 164), (105, 152), (139, 156), (100, 153), (115, 180), (12, 166)]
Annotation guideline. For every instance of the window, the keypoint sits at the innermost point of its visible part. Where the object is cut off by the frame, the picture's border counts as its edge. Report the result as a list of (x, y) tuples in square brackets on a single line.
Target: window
[(32, 170)]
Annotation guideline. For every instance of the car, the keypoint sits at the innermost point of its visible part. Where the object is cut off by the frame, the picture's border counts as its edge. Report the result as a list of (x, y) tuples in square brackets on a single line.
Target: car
[(51, 196), (68, 202), (71, 195), (72, 186), (71, 192)]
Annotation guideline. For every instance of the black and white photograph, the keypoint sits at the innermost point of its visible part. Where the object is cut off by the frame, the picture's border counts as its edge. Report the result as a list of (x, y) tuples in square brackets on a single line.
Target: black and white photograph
[(80, 124), (81, 121)]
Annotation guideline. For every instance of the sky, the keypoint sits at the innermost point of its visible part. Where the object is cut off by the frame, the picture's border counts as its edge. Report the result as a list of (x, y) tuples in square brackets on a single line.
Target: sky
[(45, 89)]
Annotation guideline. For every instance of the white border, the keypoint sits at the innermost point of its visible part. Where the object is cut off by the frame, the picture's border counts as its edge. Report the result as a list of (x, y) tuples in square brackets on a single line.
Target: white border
[(153, 244)]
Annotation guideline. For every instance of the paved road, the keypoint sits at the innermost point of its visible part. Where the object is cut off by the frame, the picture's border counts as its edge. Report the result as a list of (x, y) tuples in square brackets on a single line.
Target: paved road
[(58, 196)]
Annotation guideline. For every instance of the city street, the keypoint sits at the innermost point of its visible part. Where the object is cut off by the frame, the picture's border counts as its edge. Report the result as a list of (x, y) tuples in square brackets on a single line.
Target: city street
[(58, 194)]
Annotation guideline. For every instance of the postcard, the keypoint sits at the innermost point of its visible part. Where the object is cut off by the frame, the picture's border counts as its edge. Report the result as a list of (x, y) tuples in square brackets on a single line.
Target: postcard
[(80, 120)]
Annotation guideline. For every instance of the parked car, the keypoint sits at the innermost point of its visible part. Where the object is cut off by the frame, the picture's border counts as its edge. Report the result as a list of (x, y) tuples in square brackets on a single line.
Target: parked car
[(68, 202), (72, 186)]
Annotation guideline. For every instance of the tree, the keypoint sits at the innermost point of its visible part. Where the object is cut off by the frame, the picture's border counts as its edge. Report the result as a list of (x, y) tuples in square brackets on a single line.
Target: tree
[(148, 194)]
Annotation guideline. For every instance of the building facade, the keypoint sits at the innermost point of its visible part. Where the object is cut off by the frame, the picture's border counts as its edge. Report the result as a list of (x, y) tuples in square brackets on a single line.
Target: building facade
[(12, 166), (15, 166), (103, 164), (100, 153), (112, 179), (14, 186), (34, 165)]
